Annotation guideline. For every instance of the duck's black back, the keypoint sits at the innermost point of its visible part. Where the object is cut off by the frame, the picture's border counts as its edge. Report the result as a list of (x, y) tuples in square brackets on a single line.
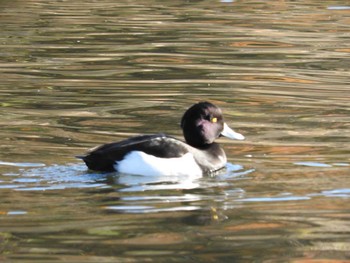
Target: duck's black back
[(104, 157)]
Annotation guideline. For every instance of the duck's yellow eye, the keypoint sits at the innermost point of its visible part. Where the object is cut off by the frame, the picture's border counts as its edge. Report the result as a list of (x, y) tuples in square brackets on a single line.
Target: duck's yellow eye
[(214, 120)]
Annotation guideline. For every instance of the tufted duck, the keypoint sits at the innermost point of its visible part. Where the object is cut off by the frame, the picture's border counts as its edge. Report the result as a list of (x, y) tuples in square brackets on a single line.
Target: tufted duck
[(160, 154)]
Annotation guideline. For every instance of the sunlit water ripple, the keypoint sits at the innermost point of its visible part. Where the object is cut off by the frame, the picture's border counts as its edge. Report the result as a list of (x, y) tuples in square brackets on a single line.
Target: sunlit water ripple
[(76, 74)]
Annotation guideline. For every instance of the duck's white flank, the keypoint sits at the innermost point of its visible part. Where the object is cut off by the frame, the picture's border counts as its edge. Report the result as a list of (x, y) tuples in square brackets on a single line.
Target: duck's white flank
[(140, 163)]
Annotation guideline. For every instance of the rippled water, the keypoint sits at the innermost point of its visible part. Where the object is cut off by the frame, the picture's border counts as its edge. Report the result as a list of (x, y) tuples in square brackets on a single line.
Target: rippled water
[(75, 74)]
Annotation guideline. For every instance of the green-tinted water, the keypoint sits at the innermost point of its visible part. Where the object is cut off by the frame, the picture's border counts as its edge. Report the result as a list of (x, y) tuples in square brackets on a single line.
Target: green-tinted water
[(75, 74)]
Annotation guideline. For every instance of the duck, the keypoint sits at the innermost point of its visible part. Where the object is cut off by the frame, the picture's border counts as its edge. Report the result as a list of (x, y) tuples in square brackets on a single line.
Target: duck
[(164, 155)]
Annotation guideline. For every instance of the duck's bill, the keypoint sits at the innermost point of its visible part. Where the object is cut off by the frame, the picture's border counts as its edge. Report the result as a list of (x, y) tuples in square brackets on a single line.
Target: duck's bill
[(231, 134)]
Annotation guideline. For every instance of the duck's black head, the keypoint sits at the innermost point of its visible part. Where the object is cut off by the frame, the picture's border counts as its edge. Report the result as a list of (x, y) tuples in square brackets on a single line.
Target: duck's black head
[(203, 122)]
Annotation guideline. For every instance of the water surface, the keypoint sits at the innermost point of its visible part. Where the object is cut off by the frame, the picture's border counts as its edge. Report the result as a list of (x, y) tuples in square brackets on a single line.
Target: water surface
[(75, 74)]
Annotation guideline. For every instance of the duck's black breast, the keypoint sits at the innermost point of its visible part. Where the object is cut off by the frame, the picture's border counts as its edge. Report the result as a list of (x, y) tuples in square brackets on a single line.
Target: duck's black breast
[(210, 158), (104, 157)]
